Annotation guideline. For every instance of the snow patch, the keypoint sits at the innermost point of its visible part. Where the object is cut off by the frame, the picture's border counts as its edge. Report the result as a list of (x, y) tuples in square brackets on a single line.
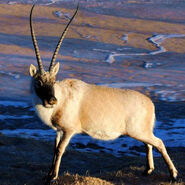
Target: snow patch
[(14, 103), (157, 40)]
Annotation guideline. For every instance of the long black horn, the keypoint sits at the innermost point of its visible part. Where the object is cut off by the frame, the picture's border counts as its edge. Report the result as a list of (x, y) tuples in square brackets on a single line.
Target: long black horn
[(39, 61), (61, 39)]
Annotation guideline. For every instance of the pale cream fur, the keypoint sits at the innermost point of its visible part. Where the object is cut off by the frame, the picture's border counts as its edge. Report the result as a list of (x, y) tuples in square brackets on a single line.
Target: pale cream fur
[(103, 113)]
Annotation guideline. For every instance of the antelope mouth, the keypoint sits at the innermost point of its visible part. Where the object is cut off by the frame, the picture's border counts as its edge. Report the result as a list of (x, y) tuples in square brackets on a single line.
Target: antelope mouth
[(48, 106)]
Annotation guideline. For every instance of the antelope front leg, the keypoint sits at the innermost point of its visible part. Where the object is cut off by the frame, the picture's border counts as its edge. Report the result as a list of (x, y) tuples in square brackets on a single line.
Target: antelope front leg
[(58, 154), (57, 140)]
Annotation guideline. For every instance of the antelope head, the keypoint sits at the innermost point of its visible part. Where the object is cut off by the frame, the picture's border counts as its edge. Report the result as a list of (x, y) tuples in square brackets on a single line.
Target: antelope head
[(43, 81)]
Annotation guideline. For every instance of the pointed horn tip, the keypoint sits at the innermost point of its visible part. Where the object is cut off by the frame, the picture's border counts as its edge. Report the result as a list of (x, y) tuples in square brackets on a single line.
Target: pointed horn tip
[(33, 7), (78, 5), (77, 8)]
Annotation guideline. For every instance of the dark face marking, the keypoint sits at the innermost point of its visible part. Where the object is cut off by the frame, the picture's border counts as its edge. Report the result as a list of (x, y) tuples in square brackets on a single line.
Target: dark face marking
[(44, 88)]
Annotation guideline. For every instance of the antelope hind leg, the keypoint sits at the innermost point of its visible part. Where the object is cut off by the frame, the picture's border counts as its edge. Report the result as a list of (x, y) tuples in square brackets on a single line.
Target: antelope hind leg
[(150, 160), (158, 143)]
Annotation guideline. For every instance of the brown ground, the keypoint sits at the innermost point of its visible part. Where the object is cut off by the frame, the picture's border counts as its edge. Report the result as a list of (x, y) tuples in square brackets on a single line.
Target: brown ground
[(27, 161), (95, 27), (88, 31)]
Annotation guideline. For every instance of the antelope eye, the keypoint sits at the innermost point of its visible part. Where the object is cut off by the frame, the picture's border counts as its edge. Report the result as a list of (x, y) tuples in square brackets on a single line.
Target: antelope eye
[(39, 83)]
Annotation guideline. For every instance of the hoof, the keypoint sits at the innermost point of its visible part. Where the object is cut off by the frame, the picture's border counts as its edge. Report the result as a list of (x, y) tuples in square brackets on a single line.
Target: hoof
[(148, 172), (53, 180), (173, 179), (50, 180), (174, 176)]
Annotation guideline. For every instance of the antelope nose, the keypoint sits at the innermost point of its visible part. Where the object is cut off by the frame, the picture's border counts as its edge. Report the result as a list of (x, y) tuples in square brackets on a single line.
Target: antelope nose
[(52, 101)]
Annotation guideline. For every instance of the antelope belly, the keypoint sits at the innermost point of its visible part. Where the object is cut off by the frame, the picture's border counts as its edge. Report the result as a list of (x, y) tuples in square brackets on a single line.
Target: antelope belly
[(103, 134)]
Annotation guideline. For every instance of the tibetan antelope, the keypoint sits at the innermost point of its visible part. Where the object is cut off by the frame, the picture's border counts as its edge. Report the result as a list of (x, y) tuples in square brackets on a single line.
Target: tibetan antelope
[(72, 106)]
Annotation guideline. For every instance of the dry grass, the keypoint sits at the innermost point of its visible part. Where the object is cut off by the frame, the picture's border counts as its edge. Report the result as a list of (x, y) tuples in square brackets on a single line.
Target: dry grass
[(117, 178), (68, 179), (27, 161)]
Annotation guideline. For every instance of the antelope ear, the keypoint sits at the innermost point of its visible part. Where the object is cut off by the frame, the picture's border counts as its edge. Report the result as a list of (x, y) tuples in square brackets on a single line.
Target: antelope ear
[(56, 68), (33, 70)]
